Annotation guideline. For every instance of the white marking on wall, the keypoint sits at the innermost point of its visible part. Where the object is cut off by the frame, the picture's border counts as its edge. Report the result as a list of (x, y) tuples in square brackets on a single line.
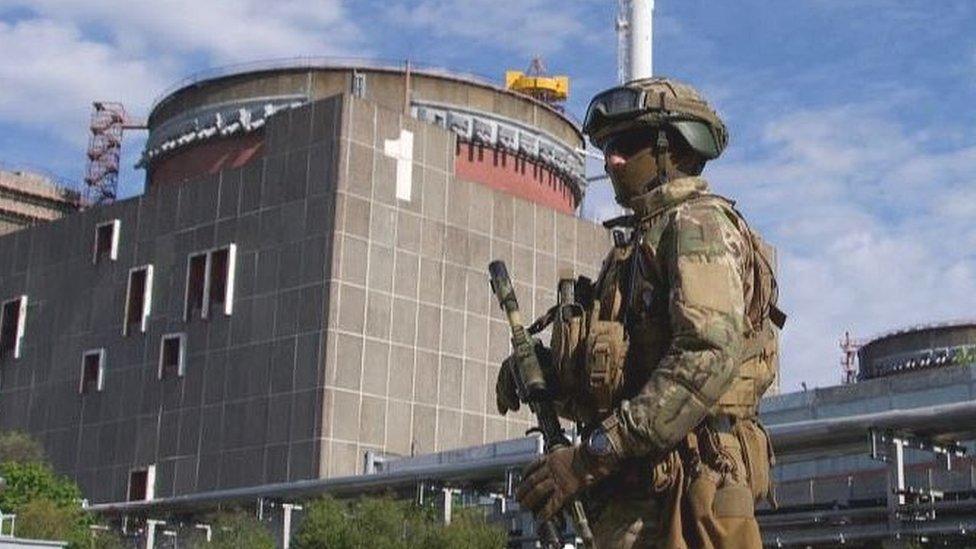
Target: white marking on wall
[(401, 150)]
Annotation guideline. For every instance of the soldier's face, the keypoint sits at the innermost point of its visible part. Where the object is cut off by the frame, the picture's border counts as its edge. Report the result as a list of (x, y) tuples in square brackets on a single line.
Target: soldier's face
[(630, 174), (622, 148), (627, 144), (614, 161)]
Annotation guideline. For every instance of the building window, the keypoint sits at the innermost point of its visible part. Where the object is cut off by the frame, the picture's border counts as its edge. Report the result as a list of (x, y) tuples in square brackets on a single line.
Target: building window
[(92, 371), (138, 300), (196, 276), (13, 318), (106, 241), (172, 356), (210, 282), (358, 84), (219, 278), (142, 484)]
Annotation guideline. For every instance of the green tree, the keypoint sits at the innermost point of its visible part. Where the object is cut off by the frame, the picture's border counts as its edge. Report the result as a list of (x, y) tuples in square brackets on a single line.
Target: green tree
[(47, 505), (99, 539), (326, 524), (387, 524), (42, 518), (234, 529), (469, 530), (27, 481), (20, 447)]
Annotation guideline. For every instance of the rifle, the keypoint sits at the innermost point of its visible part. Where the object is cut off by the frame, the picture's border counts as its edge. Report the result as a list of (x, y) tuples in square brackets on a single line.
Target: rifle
[(531, 388)]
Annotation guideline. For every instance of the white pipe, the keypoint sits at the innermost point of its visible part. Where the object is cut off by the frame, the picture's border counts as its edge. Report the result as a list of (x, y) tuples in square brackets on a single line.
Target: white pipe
[(641, 39), (151, 532), (623, 40), (287, 509), (829, 436), (804, 439)]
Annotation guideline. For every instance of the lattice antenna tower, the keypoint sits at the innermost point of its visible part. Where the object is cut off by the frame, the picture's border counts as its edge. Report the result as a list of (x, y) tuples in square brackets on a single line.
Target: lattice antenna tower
[(849, 346), (108, 121)]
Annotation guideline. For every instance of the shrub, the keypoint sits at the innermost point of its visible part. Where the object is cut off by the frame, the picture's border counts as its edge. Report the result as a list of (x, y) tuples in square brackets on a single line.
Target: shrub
[(42, 518), (20, 447), (385, 523), (468, 530), (47, 505), (234, 529)]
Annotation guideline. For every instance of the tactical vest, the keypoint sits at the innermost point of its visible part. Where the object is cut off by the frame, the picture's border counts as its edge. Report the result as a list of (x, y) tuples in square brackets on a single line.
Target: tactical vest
[(759, 364), (623, 317)]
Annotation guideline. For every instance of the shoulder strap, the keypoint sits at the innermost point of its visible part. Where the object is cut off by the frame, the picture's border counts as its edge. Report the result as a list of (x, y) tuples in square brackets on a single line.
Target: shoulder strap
[(764, 299)]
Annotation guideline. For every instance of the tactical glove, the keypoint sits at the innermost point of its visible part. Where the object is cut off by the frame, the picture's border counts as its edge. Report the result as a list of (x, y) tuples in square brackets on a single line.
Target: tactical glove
[(553, 479), (505, 396)]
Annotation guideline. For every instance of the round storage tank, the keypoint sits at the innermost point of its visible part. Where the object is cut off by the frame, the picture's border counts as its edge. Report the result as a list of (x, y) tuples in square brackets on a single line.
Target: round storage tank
[(913, 349), (505, 140)]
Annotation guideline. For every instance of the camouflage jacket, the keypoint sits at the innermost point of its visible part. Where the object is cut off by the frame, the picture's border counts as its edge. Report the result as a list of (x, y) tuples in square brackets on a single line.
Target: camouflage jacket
[(684, 312)]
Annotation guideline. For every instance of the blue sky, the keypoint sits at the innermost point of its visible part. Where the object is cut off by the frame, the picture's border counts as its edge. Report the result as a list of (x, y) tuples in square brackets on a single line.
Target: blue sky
[(853, 148)]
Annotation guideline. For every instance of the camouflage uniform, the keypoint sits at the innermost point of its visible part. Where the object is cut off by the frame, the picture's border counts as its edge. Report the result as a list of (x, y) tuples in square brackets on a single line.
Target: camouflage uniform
[(684, 479), (672, 348)]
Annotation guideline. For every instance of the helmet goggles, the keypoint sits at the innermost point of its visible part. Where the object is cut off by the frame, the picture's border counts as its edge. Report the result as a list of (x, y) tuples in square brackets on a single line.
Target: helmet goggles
[(631, 142), (625, 107), (616, 103)]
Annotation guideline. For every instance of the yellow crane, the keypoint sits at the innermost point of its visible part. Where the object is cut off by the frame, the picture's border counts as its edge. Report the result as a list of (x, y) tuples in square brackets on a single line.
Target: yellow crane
[(536, 83)]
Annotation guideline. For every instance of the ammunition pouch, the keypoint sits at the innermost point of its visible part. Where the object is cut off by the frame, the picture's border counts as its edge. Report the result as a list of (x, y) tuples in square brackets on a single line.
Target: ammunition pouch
[(757, 372), (588, 357), (568, 333), (740, 448), (757, 453), (606, 351)]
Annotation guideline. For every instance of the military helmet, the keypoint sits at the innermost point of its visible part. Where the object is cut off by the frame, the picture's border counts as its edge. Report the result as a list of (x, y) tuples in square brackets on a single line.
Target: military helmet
[(655, 103)]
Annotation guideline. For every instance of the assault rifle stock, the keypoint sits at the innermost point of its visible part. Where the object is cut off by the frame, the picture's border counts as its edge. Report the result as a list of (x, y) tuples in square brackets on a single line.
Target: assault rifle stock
[(531, 388)]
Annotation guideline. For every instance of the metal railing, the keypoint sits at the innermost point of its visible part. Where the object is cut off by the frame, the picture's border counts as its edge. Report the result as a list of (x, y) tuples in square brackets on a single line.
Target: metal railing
[(335, 62), (7, 519), (318, 62)]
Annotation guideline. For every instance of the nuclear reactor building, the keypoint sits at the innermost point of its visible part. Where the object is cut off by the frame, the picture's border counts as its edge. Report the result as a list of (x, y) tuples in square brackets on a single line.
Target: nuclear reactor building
[(303, 281)]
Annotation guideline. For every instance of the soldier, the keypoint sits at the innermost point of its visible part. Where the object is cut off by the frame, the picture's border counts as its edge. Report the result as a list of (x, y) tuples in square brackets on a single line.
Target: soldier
[(673, 347)]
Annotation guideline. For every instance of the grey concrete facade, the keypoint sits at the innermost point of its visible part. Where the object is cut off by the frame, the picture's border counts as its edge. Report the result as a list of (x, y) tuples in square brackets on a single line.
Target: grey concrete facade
[(415, 338), (245, 409), (28, 198), (360, 320), (826, 480)]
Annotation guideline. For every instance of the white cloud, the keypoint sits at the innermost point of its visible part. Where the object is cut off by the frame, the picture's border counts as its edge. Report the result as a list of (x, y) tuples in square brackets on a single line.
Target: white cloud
[(874, 232), (227, 31), (57, 56), (51, 74)]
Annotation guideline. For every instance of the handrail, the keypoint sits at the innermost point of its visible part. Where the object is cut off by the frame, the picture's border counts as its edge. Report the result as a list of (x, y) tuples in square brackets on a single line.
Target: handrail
[(312, 62), (333, 62), (828, 436)]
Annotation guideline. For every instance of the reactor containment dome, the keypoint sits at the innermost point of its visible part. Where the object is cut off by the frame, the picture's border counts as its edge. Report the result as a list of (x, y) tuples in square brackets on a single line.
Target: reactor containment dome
[(505, 139), (918, 348)]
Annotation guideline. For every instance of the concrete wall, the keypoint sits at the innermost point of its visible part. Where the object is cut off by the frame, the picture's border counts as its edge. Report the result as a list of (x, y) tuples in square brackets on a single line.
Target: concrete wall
[(840, 478), (909, 390), (361, 321), (516, 175), (245, 410), (415, 338), (386, 87), (28, 198), (550, 175), (8, 226)]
